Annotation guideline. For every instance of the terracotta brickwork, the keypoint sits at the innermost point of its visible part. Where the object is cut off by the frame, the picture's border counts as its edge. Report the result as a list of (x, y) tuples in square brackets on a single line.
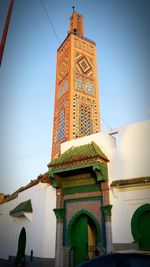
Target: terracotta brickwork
[(105, 193), (76, 109), (93, 206)]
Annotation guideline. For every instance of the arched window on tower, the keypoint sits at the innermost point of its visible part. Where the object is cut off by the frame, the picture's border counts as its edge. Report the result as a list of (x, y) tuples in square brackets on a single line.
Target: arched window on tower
[(61, 125), (85, 123)]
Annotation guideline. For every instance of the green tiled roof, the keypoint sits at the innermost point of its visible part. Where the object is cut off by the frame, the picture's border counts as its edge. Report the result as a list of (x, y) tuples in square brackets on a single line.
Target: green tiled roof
[(79, 153), (132, 181), (25, 206)]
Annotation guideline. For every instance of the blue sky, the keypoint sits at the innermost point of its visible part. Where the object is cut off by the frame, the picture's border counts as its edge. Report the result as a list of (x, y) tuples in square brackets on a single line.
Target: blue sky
[(121, 31)]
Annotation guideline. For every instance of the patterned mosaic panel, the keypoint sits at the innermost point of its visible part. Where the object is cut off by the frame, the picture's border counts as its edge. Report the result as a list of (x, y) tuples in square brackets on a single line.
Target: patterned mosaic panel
[(84, 45), (85, 116), (63, 68), (65, 85), (84, 80), (61, 125), (60, 91), (85, 85), (84, 65), (85, 124), (62, 87), (63, 49)]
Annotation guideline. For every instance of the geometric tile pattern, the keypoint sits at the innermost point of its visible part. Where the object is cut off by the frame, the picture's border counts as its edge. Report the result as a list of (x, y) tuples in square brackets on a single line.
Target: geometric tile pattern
[(85, 124), (84, 85), (60, 91), (84, 65), (84, 80), (62, 87), (61, 125), (63, 68), (65, 85), (81, 44), (85, 117)]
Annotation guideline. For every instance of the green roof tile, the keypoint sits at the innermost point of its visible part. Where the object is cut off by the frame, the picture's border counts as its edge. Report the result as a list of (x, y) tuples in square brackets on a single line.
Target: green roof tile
[(79, 153), (25, 206), (132, 181)]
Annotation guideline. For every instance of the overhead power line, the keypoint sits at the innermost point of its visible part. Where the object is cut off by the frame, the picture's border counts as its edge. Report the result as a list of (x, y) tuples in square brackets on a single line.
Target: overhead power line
[(50, 21), (106, 123), (26, 156)]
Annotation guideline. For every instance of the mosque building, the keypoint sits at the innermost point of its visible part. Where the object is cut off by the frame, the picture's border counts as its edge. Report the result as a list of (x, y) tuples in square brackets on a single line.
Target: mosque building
[(95, 197), (86, 162)]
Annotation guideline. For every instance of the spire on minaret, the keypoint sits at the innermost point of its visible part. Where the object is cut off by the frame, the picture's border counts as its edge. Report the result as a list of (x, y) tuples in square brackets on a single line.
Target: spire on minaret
[(76, 25)]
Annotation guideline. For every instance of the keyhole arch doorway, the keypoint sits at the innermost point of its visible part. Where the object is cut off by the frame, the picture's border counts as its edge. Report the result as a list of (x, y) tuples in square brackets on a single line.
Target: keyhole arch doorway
[(21, 245), (83, 236)]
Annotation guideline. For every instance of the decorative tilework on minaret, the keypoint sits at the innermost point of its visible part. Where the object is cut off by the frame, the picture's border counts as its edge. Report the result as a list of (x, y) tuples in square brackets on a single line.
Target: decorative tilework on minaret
[(76, 110)]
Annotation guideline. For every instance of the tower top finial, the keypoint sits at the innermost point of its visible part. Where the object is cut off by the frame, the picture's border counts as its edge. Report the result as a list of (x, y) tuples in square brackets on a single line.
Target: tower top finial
[(76, 23)]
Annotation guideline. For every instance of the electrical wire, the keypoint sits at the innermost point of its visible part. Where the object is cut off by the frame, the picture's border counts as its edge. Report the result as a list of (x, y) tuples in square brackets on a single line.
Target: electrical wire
[(106, 123), (26, 156), (50, 21)]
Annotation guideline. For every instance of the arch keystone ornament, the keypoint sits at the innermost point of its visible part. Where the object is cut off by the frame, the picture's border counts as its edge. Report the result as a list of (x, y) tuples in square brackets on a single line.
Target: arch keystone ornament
[(140, 227)]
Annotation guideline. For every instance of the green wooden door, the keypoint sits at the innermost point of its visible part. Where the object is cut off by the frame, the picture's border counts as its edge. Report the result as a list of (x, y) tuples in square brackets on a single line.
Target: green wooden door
[(144, 229), (80, 239)]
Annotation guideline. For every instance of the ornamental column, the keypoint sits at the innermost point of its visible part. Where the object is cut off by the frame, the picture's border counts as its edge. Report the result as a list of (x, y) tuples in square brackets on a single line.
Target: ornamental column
[(106, 209), (60, 214)]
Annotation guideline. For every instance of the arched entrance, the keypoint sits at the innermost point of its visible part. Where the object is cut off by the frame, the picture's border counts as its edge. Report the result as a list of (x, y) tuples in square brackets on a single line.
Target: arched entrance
[(21, 245), (84, 235), (140, 226)]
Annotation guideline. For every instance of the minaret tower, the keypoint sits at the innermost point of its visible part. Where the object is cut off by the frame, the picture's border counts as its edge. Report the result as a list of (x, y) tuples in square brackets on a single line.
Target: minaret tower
[(76, 110)]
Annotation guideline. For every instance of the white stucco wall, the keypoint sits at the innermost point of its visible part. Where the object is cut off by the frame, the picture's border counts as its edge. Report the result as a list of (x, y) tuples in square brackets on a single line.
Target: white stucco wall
[(125, 202), (129, 156), (40, 231)]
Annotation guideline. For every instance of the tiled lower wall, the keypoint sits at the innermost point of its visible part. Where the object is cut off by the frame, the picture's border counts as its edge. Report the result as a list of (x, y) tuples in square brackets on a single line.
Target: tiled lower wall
[(36, 262), (124, 246)]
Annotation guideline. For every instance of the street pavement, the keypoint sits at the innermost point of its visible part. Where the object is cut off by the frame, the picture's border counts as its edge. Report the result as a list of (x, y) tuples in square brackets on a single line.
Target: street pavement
[(5, 263)]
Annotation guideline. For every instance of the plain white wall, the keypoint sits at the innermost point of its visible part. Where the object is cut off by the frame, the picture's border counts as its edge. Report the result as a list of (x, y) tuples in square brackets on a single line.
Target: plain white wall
[(40, 231), (125, 202), (131, 156)]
